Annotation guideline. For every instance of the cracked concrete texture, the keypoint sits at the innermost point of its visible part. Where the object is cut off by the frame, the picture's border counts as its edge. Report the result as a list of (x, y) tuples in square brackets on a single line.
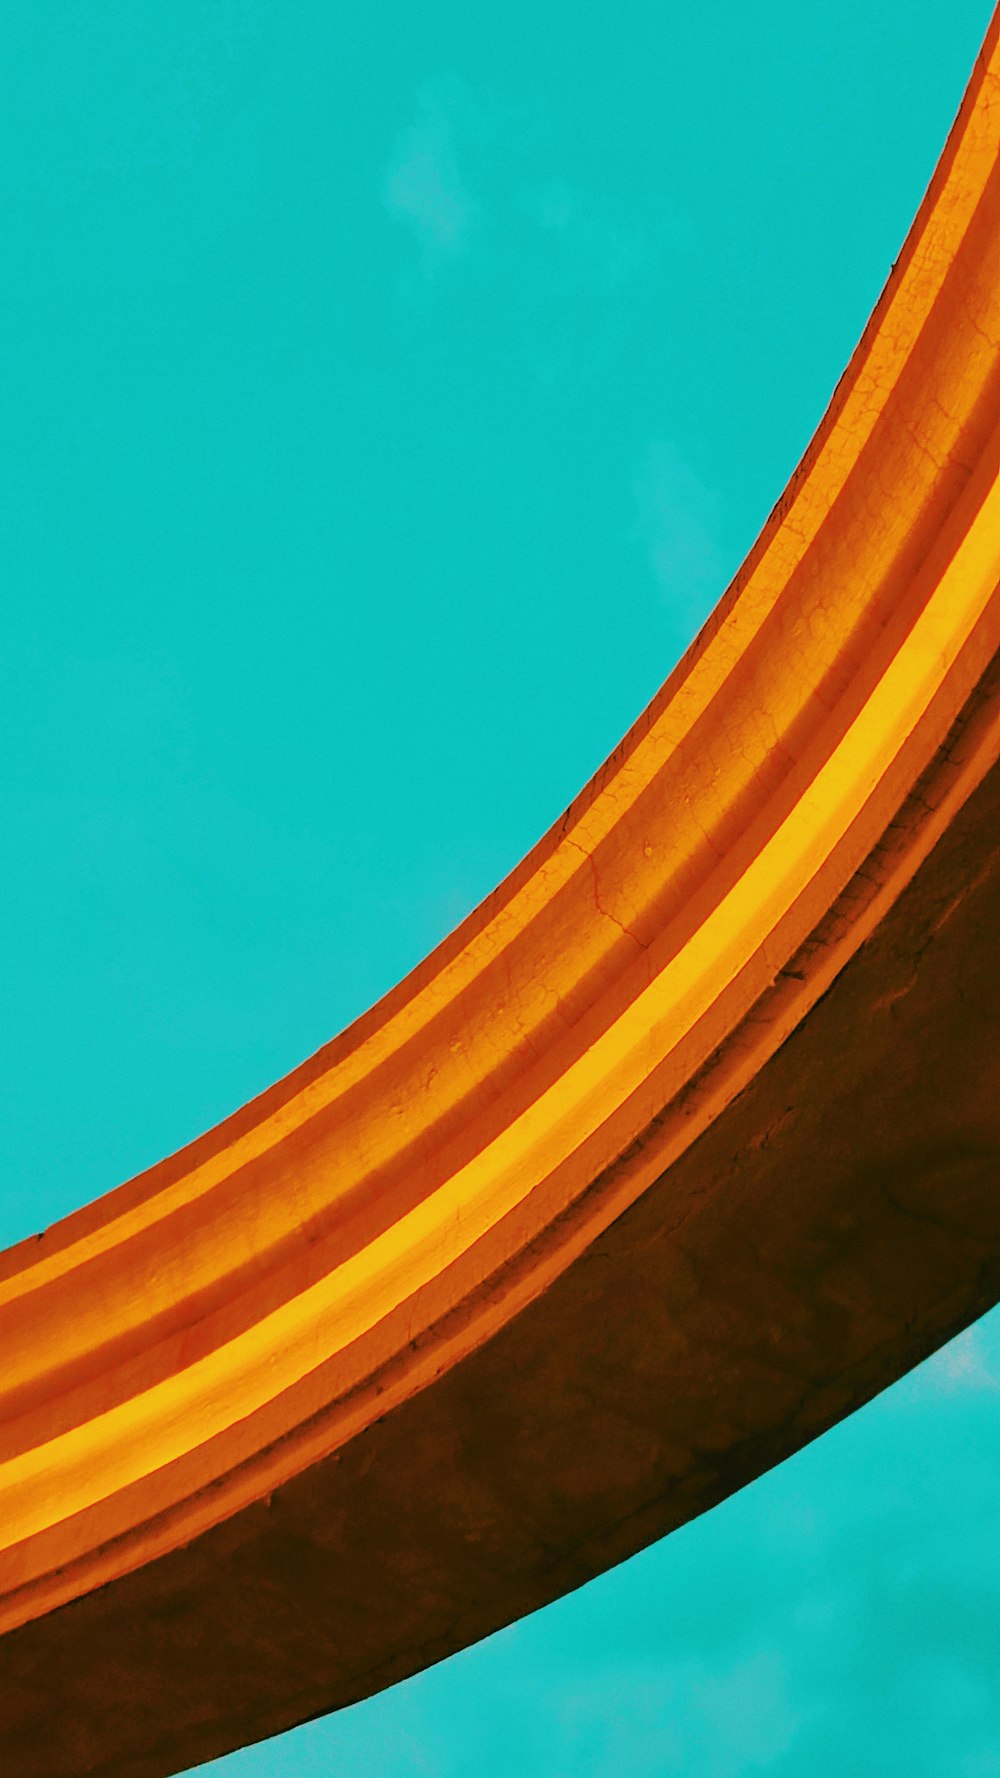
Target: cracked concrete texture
[(836, 1223)]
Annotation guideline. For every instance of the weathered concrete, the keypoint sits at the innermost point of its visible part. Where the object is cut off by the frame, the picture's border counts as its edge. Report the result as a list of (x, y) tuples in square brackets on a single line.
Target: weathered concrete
[(682, 1147), (833, 1226)]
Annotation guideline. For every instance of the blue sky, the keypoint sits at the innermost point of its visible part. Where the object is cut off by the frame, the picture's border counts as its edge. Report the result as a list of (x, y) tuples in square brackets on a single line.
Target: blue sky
[(389, 393)]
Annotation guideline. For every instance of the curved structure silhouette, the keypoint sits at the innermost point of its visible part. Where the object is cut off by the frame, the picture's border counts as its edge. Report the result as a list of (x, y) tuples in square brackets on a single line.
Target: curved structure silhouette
[(680, 1148)]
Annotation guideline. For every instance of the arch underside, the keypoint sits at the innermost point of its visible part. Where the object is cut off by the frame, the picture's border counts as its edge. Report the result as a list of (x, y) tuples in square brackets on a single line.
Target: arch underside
[(682, 1147)]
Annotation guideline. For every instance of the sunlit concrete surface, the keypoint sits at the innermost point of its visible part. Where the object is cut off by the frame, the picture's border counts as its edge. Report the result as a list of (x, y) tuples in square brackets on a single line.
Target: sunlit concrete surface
[(679, 1149)]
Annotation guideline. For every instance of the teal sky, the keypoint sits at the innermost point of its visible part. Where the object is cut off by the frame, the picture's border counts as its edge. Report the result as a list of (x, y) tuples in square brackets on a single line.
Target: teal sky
[(389, 392)]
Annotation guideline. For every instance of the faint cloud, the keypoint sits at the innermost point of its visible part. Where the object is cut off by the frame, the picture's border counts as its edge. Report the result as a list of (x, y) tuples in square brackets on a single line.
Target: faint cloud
[(423, 186), (747, 1715), (678, 523), (962, 1364), (680, 1717), (595, 250)]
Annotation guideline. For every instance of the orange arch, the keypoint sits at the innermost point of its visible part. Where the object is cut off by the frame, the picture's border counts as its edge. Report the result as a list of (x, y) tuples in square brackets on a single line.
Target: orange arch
[(225, 1331)]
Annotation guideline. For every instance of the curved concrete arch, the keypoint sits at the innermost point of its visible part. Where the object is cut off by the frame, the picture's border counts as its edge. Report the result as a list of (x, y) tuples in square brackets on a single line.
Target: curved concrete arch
[(682, 1146)]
